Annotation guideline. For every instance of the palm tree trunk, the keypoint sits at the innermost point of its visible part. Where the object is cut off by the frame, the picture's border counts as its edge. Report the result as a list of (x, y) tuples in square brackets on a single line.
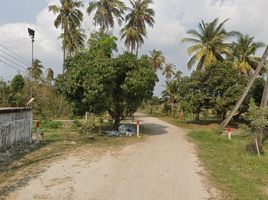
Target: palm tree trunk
[(64, 56), (264, 102), (265, 93), (137, 51), (63, 70), (251, 81)]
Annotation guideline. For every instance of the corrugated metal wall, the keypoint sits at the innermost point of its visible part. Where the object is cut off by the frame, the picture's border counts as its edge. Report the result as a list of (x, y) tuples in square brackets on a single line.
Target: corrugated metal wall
[(15, 126)]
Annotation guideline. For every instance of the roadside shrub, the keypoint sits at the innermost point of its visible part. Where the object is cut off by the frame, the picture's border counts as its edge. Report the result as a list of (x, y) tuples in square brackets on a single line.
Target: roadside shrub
[(52, 124), (76, 124)]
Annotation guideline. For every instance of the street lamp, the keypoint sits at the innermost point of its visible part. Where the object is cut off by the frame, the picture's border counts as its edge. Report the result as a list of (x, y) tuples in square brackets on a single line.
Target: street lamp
[(32, 34)]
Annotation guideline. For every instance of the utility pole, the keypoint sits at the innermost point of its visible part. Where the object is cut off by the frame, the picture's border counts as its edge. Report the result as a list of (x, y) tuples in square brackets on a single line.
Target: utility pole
[(32, 34)]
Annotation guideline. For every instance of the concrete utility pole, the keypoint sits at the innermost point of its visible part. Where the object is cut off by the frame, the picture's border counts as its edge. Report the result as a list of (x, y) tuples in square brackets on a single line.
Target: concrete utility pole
[(32, 34), (250, 83)]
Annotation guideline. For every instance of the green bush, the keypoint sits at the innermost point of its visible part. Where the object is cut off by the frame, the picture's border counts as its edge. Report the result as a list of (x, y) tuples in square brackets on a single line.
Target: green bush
[(51, 124), (76, 124)]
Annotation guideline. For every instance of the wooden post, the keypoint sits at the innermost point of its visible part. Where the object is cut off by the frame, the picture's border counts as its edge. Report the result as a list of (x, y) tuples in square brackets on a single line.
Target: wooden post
[(138, 128), (37, 132), (229, 132)]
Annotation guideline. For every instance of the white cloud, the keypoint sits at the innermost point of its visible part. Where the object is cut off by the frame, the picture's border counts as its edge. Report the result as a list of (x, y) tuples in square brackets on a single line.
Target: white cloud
[(173, 19)]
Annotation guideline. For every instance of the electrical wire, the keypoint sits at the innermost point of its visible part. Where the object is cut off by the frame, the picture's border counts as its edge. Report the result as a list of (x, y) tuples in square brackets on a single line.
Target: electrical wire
[(25, 61), (17, 44), (11, 41), (25, 68), (13, 67), (13, 57)]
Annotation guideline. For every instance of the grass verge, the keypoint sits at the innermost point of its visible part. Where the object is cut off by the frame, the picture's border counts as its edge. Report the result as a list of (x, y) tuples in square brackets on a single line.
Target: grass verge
[(237, 174)]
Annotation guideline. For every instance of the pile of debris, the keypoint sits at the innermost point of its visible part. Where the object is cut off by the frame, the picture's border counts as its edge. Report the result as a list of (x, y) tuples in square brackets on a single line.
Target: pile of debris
[(123, 130)]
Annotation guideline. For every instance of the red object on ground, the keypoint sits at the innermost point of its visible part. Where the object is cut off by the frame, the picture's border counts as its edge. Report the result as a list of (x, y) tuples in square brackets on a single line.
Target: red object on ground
[(37, 124)]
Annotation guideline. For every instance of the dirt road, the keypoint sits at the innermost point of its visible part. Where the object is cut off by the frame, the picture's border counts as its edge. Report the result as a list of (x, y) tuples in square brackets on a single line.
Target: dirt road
[(164, 167)]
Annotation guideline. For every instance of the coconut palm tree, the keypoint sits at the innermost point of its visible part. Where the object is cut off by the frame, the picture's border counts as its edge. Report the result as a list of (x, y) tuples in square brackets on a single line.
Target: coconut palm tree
[(50, 75), (74, 40), (106, 11), (209, 43), (244, 54), (169, 71), (156, 60), (140, 15), (133, 38), (178, 75), (36, 71), (69, 18), (171, 95)]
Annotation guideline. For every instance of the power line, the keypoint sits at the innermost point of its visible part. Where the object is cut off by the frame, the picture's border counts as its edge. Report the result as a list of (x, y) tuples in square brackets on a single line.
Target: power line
[(13, 67), (11, 41), (13, 62), (17, 44), (16, 55)]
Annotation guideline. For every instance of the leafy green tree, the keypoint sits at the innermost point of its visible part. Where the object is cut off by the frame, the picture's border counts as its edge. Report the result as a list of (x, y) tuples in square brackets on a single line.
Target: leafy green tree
[(193, 95), (244, 51), (106, 11), (134, 82), (255, 93), (17, 84), (223, 86), (102, 44), (3, 92), (140, 15), (89, 76), (209, 43), (69, 18), (96, 83), (169, 71), (258, 120), (17, 95), (157, 60)]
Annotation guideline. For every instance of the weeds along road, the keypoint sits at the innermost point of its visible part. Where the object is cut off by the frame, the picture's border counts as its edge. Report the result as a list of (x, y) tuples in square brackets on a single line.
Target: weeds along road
[(164, 167)]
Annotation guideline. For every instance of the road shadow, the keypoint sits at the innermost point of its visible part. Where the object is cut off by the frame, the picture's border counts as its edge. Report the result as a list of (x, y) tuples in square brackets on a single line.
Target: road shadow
[(153, 129)]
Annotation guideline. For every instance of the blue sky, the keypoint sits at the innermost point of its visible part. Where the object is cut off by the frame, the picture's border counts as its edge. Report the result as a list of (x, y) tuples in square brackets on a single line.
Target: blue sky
[(13, 11), (173, 19)]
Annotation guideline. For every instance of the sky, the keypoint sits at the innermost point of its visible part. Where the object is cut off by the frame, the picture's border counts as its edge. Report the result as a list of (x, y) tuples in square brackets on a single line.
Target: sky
[(173, 19)]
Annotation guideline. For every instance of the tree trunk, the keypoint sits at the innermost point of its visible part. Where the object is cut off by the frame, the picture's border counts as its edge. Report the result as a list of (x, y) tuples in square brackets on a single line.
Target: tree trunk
[(173, 110), (63, 71), (264, 99), (223, 114), (64, 55), (137, 51), (197, 116), (116, 122), (251, 81)]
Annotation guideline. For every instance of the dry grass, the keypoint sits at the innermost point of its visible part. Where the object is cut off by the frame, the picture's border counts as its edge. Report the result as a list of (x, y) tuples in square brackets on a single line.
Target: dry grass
[(60, 140)]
